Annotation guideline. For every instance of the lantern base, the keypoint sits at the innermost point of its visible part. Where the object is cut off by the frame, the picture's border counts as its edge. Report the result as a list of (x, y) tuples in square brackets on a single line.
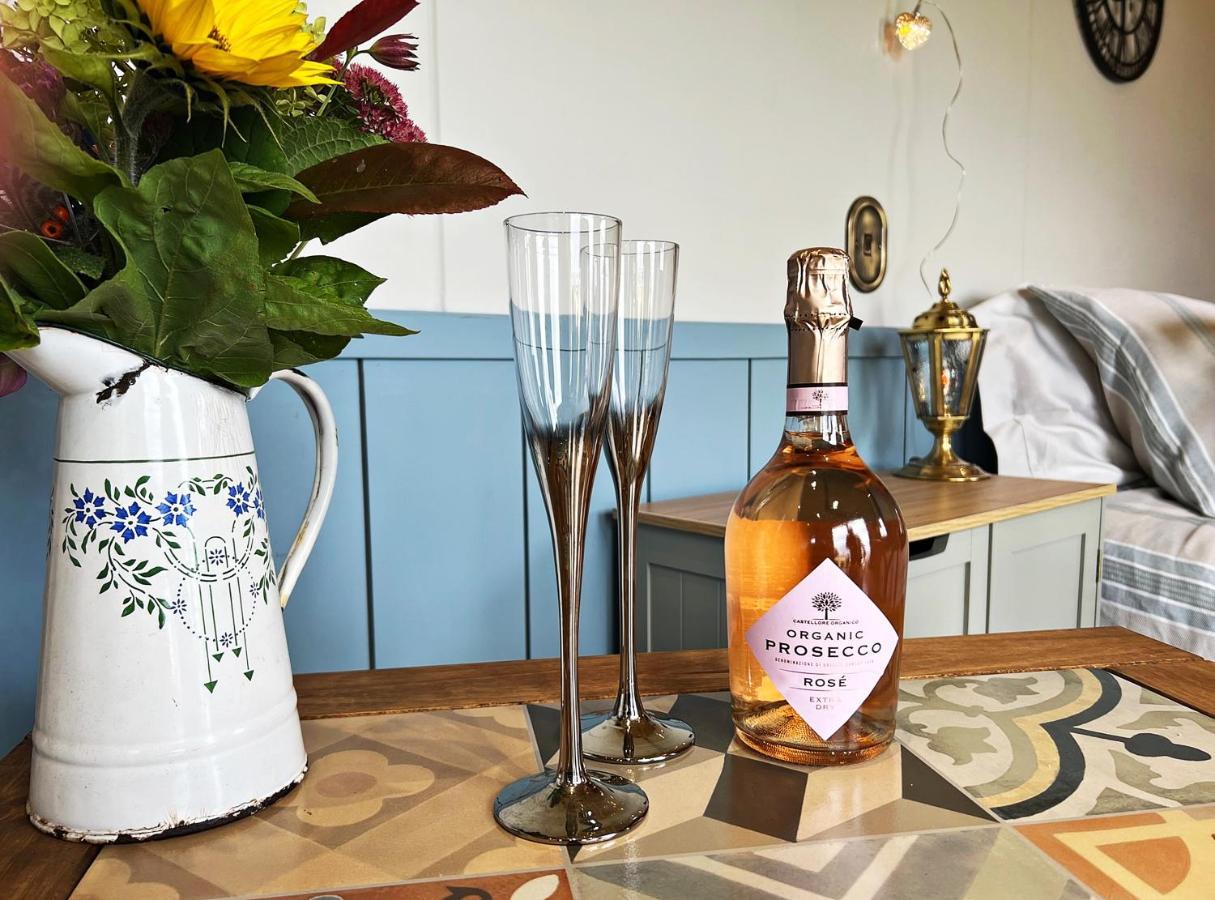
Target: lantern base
[(933, 468), (941, 463)]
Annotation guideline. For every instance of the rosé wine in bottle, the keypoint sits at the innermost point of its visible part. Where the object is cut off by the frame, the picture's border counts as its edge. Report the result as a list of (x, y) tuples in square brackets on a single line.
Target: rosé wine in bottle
[(816, 557)]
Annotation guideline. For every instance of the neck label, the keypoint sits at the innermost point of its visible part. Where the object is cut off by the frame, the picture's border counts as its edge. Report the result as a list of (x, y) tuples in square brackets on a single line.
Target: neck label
[(816, 398), (825, 645)]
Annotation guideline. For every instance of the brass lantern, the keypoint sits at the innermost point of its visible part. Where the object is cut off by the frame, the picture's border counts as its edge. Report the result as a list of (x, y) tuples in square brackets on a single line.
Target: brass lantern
[(942, 350)]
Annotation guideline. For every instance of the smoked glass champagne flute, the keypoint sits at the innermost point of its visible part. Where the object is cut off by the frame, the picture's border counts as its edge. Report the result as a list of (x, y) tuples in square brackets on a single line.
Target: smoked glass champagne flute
[(564, 274), (629, 734)]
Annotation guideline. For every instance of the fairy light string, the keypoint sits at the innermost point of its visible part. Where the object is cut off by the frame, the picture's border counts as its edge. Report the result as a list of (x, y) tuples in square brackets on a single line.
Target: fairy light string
[(957, 205)]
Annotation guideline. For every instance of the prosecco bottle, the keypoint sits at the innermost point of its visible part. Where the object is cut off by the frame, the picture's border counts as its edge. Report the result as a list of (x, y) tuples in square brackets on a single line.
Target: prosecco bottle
[(816, 557)]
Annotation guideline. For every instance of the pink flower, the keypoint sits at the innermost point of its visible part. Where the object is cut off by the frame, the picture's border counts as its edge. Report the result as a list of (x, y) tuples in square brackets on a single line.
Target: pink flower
[(381, 108), (12, 376)]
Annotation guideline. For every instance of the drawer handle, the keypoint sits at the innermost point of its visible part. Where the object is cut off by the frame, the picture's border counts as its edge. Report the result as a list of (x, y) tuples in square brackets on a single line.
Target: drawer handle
[(926, 547)]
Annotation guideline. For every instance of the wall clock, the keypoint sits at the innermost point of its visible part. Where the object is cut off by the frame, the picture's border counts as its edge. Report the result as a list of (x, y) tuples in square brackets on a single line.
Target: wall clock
[(1121, 35)]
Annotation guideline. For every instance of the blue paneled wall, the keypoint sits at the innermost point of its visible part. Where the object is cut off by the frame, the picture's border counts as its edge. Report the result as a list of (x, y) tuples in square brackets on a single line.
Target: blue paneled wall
[(436, 548)]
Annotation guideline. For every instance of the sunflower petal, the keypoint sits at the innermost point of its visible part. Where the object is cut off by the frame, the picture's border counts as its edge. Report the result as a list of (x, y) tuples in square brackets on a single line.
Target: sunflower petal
[(257, 42)]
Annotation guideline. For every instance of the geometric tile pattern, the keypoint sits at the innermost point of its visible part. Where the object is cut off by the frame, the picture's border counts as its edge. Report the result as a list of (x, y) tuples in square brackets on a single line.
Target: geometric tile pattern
[(976, 862), (1152, 854), (386, 799), (516, 886), (398, 807), (1050, 745), (729, 798)]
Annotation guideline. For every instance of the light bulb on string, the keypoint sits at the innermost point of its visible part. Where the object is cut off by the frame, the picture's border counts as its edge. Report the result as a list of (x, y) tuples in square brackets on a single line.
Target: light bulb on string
[(912, 29)]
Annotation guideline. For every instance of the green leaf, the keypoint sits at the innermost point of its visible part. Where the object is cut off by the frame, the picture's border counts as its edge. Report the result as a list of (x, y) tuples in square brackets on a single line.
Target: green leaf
[(17, 329), (90, 69), (192, 290), (80, 261), (32, 268), (346, 281), (245, 138), (251, 179), (35, 145), (294, 305), (403, 178), (293, 349), (82, 316), (276, 237), (307, 141), (92, 110)]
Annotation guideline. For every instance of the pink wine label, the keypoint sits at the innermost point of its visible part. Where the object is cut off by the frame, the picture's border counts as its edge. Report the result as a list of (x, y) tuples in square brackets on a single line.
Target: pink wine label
[(824, 644), (816, 398)]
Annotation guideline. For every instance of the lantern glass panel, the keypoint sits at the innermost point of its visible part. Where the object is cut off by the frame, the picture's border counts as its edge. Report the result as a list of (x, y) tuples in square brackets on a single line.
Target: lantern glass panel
[(916, 350), (955, 358)]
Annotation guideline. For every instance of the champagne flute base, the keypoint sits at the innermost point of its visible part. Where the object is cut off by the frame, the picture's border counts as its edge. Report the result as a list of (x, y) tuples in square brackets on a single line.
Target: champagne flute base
[(550, 810), (624, 740)]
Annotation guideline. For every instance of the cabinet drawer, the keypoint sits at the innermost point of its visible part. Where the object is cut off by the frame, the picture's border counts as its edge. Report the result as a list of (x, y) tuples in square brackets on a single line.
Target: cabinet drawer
[(1044, 569), (946, 585)]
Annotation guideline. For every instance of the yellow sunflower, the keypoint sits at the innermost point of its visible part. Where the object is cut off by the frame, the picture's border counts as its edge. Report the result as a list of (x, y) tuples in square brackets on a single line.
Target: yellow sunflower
[(261, 42)]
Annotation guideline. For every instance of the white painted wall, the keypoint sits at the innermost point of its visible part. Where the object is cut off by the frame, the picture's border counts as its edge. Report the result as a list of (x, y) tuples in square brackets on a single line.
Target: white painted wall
[(745, 130)]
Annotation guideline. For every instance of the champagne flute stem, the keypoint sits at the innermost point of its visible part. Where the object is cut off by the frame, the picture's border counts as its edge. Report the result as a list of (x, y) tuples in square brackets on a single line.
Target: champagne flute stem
[(571, 769), (628, 497)]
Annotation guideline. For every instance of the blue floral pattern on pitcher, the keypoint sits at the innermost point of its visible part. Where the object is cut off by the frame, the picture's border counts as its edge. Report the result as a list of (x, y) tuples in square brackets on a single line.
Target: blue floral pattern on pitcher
[(169, 572)]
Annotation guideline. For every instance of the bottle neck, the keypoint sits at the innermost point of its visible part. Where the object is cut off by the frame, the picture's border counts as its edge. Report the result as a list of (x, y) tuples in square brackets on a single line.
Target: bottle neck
[(818, 432), (816, 399)]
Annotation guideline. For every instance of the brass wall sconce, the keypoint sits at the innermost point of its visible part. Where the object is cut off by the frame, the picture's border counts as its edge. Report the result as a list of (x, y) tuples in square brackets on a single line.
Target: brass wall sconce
[(866, 235), (942, 351)]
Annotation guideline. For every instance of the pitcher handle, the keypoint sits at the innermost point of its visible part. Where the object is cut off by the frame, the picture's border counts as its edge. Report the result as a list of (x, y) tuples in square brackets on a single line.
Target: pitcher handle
[(325, 429)]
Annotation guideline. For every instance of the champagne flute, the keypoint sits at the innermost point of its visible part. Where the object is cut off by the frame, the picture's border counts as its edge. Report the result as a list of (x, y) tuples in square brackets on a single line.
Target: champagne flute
[(629, 734), (563, 270)]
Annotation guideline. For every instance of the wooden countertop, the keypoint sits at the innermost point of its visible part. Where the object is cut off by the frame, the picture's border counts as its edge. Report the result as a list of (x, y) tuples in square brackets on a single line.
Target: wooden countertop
[(35, 865), (929, 508)]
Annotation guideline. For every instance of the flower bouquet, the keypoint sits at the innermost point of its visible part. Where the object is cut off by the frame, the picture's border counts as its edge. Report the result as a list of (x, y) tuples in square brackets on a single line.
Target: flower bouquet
[(164, 162)]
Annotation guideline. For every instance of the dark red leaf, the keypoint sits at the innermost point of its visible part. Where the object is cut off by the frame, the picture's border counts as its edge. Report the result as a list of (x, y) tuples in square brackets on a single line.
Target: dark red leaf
[(367, 20), (413, 178), (12, 376)]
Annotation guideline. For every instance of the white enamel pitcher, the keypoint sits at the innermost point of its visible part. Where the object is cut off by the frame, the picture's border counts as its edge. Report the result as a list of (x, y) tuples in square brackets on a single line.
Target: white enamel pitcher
[(165, 701)]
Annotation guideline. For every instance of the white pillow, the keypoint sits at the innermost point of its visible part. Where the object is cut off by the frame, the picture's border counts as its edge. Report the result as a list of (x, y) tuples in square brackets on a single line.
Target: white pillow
[(1155, 355), (1043, 405)]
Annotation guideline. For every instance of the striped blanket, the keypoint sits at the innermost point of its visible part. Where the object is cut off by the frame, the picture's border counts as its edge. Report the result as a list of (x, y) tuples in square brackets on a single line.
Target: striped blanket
[(1158, 570)]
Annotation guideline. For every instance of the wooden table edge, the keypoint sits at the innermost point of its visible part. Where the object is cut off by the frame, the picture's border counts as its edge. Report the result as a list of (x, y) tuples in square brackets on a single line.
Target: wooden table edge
[(35, 865)]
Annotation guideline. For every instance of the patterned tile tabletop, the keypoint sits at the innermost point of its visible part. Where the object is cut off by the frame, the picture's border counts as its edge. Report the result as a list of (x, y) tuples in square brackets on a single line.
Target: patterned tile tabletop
[(1065, 784)]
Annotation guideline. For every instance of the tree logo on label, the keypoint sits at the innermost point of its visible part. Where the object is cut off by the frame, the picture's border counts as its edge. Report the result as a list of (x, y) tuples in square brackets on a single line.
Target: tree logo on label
[(826, 603), (820, 397)]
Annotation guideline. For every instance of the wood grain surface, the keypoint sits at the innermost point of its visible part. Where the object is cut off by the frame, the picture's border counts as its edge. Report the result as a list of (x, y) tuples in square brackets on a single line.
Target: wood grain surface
[(1188, 681), (929, 508), (33, 865)]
